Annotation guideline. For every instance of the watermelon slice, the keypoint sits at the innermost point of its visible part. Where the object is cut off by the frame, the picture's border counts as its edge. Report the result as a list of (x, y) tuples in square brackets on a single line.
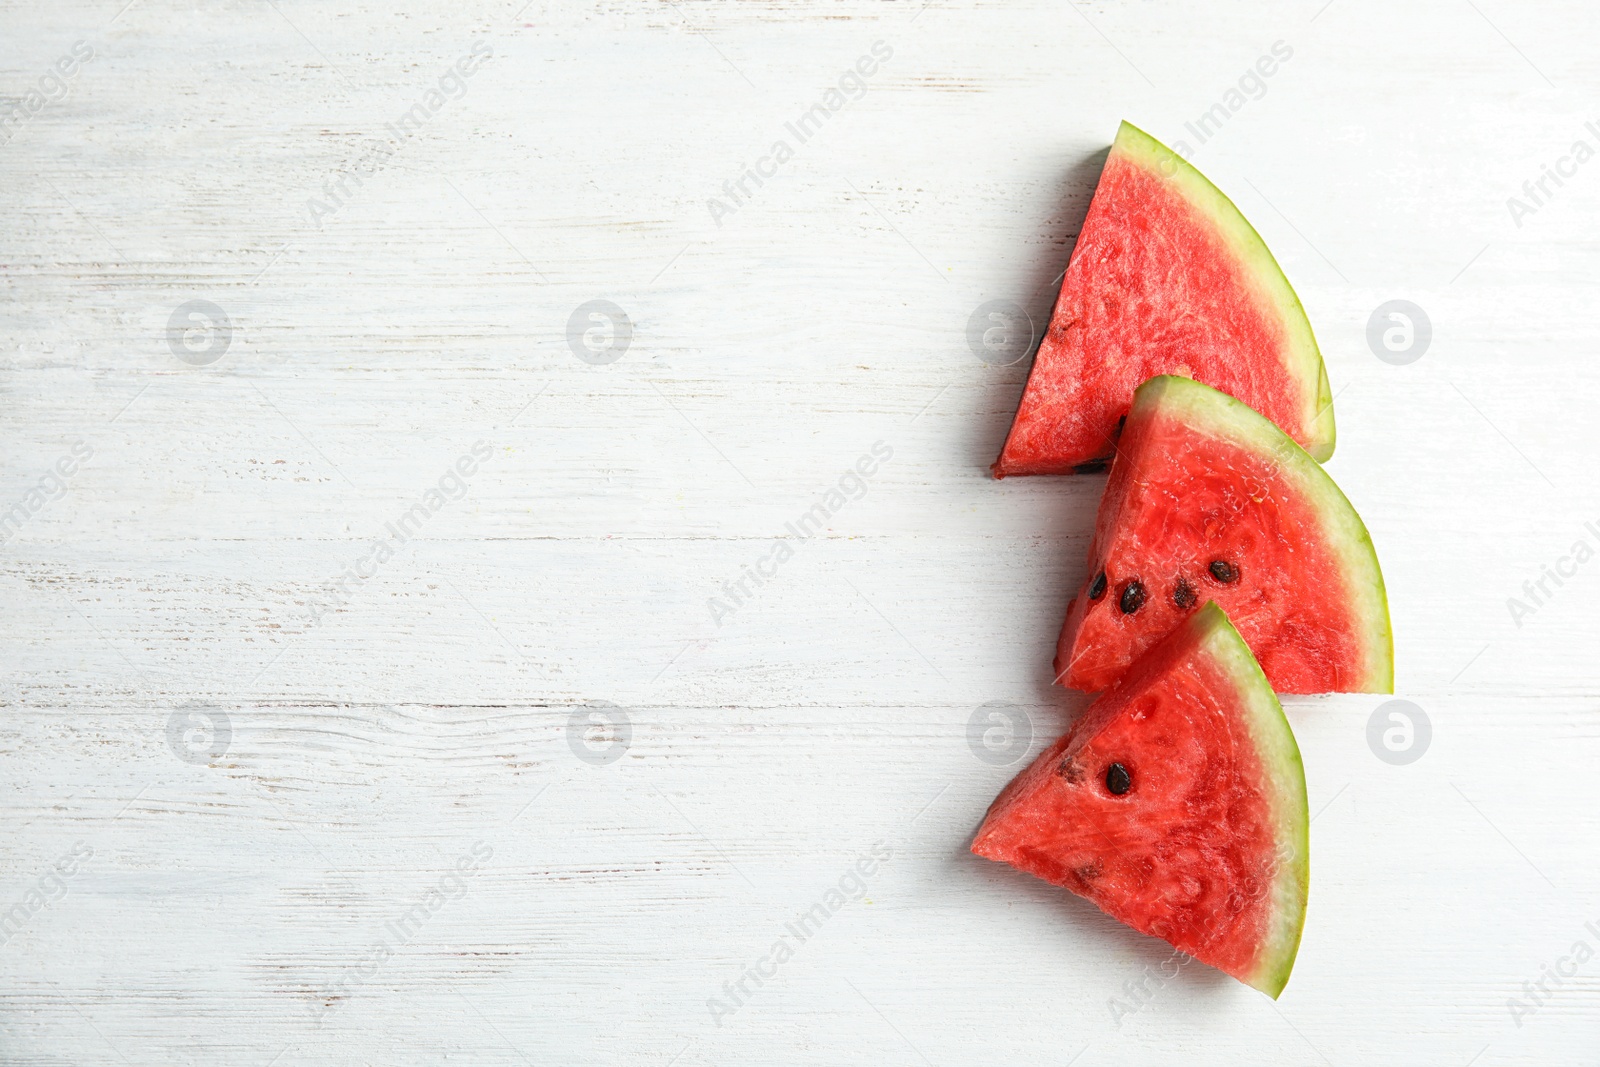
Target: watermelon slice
[(1207, 500), (1177, 804), (1167, 278)]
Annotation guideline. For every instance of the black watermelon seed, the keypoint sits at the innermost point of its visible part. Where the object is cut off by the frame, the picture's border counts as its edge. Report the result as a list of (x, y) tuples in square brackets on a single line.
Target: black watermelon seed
[(1224, 572), (1132, 599), (1097, 588), (1118, 780), (1120, 424), (1183, 594), (1093, 466)]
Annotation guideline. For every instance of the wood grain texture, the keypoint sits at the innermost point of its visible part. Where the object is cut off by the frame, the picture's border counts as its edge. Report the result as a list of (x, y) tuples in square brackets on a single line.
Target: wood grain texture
[(393, 852)]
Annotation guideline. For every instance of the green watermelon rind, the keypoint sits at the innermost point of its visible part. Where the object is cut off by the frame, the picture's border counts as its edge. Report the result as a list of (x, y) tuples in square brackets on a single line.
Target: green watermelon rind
[(1214, 412), (1274, 743), (1260, 267)]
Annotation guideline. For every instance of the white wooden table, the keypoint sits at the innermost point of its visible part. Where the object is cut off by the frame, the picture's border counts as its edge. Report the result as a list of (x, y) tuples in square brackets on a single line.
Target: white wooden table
[(322, 807)]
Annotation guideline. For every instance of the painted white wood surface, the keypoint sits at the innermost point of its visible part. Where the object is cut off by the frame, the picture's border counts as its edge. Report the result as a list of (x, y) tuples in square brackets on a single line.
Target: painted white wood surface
[(229, 909)]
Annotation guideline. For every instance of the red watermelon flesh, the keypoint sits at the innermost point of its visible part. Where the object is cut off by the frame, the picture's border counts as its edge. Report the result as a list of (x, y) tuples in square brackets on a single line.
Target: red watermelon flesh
[(1203, 841), (1207, 500), (1167, 277)]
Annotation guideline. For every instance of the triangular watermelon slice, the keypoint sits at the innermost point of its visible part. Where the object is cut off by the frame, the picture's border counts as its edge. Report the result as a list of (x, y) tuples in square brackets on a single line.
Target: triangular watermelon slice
[(1167, 278), (1207, 500), (1177, 804)]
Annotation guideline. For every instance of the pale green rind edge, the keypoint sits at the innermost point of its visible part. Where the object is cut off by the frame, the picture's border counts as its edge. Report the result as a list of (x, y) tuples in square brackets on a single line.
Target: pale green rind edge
[(1274, 742), (1218, 413), (1156, 158)]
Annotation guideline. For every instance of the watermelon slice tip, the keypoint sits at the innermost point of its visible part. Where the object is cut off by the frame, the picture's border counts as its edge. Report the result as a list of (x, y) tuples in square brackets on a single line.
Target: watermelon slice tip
[(1167, 277), (1205, 841)]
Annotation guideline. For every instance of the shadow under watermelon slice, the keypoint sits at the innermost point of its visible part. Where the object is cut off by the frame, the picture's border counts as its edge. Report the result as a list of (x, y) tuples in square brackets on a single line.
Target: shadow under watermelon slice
[(1177, 804), (1167, 277)]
